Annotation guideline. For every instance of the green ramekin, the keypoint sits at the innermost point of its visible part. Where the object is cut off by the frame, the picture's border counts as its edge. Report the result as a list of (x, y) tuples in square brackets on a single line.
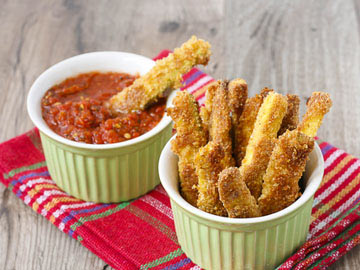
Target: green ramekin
[(215, 242), (99, 173)]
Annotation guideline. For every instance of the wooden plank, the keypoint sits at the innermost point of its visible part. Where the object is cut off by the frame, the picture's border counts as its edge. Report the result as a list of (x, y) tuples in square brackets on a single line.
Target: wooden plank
[(297, 47), (29, 241)]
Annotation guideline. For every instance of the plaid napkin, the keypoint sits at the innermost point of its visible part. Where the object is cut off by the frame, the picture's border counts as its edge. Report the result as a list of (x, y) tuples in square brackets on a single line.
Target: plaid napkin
[(140, 234)]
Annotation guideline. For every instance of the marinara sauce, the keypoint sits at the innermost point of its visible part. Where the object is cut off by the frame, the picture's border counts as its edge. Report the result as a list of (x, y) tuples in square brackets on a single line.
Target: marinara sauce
[(75, 109)]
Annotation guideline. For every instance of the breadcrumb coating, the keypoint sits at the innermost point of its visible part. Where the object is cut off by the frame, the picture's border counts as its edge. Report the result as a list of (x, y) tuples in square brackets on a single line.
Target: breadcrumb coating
[(205, 119), (286, 166), (235, 195), (237, 95), (291, 118), (258, 151), (205, 111), (220, 121), (246, 123), (318, 105), (166, 74), (216, 155), (210, 162), (190, 137)]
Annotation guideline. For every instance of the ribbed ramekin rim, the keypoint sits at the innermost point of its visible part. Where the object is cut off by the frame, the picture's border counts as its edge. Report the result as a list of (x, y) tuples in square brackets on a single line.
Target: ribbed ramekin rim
[(41, 125), (299, 203)]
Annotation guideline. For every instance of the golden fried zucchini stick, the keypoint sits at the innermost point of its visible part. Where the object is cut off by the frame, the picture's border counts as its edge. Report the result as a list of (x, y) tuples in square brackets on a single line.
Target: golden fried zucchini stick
[(235, 195), (246, 124), (205, 111), (237, 95), (286, 165), (317, 106), (190, 137), (220, 121), (288, 159), (216, 155), (291, 118), (210, 161), (261, 143), (166, 74)]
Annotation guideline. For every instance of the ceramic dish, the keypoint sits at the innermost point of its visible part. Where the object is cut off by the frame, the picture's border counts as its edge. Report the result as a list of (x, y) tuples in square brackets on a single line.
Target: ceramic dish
[(215, 242), (99, 172)]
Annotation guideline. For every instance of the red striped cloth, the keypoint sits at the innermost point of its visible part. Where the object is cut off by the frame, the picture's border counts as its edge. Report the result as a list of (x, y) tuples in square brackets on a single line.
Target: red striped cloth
[(140, 234)]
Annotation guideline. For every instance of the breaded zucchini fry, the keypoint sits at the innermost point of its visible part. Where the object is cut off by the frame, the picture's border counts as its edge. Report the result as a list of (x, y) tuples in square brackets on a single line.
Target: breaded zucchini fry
[(220, 121), (246, 124), (237, 95), (190, 137), (235, 195), (288, 159), (216, 155), (205, 119), (291, 118), (166, 74), (210, 161), (205, 111), (286, 165), (258, 151), (317, 106)]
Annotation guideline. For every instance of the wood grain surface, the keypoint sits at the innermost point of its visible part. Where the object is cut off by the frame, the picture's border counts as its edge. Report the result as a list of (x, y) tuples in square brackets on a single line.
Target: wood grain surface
[(291, 46)]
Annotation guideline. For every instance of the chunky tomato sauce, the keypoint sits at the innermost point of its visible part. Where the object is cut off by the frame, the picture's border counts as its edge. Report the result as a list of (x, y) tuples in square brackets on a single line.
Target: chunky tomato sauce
[(75, 109)]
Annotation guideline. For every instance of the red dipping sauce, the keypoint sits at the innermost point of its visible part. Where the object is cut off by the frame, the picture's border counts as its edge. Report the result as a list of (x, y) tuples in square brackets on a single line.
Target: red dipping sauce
[(75, 109)]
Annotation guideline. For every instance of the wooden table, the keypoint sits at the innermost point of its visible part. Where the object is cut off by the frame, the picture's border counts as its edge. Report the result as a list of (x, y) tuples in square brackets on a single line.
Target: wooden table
[(296, 46)]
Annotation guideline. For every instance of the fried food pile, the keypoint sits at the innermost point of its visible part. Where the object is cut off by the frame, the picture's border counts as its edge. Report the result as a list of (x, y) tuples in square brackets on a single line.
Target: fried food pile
[(241, 156), (165, 75)]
